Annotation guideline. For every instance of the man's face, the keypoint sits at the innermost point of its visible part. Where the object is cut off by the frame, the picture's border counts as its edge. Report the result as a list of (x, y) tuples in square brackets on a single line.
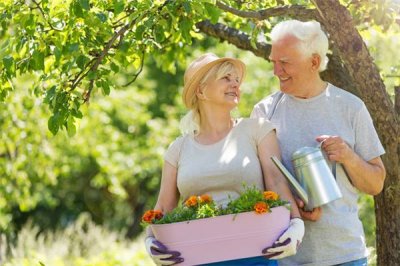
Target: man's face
[(291, 67)]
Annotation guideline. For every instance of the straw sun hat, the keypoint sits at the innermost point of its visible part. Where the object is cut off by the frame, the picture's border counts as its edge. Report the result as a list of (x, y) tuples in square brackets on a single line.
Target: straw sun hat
[(199, 67)]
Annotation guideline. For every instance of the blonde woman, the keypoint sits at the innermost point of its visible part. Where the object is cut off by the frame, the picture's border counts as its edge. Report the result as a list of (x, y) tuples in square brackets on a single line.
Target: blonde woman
[(217, 154)]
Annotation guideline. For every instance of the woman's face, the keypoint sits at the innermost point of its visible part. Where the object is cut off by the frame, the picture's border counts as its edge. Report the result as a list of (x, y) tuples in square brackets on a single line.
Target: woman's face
[(223, 90)]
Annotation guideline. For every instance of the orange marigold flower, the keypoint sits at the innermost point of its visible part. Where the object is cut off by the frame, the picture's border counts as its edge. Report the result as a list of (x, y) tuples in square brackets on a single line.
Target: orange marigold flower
[(270, 195), (261, 207), (205, 198), (191, 201), (151, 215)]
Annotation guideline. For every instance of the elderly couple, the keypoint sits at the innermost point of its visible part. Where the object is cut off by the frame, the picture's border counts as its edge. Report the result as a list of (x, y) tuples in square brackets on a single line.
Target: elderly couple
[(305, 111)]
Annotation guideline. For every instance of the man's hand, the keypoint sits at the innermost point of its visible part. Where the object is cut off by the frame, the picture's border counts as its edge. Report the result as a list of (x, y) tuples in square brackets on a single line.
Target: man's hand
[(336, 148), (160, 254), (313, 215)]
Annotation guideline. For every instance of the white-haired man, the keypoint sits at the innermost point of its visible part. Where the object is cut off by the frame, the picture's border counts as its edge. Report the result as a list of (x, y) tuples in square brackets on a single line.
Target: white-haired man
[(308, 110)]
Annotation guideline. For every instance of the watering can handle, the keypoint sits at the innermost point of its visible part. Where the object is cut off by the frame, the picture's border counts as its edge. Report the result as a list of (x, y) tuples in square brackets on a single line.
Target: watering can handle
[(333, 163), (300, 191)]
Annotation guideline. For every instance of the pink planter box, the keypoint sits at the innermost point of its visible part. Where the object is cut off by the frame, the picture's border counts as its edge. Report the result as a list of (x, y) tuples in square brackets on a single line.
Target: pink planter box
[(224, 237)]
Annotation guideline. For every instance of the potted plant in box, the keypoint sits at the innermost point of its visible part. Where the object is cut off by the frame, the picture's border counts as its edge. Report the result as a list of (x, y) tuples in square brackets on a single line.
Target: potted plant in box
[(204, 232)]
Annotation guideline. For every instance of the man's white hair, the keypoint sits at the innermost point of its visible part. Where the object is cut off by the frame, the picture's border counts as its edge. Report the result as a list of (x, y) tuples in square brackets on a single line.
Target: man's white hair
[(312, 39)]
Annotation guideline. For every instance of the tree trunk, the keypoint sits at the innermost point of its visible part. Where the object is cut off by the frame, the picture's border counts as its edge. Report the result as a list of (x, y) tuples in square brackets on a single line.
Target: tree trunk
[(354, 53)]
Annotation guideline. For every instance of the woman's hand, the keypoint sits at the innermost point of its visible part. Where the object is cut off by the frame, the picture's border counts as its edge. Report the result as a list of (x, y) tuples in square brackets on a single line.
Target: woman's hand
[(160, 254), (287, 244)]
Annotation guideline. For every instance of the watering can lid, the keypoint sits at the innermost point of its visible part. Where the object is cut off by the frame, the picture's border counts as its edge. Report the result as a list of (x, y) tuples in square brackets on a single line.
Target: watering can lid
[(303, 152)]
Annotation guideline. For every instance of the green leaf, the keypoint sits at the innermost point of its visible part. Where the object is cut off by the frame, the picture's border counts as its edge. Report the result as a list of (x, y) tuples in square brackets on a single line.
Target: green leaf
[(118, 6), (186, 26), (92, 75), (8, 62), (81, 61), (77, 10), (71, 128), (50, 94), (53, 125), (213, 12), (37, 60), (159, 34), (104, 86), (187, 7), (57, 54), (102, 17), (139, 32), (73, 47), (114, 67), (84, 4)]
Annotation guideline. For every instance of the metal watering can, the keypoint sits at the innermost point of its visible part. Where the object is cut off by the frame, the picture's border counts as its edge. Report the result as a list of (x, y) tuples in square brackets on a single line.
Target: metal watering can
[(314, 183)]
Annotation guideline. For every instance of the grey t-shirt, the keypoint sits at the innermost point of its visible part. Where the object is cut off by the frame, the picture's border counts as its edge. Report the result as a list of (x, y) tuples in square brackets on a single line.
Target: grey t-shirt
[(338, 236), (220, 169)]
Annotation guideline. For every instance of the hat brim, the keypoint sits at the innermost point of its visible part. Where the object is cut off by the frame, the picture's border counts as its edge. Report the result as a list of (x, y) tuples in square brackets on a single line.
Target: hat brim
[(191, 85)]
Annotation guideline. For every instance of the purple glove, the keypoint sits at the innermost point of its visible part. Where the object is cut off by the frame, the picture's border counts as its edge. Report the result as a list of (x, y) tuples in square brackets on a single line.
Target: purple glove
[(160, 254)]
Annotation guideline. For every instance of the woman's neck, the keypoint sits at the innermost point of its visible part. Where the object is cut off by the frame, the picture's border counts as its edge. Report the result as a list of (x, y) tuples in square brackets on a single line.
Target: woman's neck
[(214, 126)]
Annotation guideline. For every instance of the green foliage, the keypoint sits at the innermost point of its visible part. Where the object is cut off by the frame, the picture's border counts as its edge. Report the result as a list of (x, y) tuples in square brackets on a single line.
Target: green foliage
[(246, 201), (82, 243)]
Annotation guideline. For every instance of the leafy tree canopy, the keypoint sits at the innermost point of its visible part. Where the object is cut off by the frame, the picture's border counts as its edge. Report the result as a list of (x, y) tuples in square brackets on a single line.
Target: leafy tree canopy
[(76, 47)]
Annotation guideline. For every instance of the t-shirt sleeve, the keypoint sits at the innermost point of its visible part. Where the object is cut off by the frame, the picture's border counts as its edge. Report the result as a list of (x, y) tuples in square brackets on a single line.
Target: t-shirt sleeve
[(258, 111), (172, 154), (263, 127), (367, 143)]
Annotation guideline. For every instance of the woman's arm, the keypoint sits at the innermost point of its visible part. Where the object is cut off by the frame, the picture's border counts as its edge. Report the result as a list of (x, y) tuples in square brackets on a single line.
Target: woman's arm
[(168, 196), (273, 178)]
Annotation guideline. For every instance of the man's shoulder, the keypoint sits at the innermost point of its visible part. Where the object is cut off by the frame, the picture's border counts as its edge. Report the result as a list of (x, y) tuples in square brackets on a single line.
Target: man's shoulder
[(270, 98), (343, 98)]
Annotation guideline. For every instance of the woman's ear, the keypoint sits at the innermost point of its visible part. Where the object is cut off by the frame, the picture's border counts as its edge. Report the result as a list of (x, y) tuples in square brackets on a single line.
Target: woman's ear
[(200, 93)]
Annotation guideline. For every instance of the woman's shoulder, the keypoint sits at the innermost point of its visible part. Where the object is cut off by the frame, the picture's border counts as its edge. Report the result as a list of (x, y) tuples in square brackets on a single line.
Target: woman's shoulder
[(254, 121), (178, 142)]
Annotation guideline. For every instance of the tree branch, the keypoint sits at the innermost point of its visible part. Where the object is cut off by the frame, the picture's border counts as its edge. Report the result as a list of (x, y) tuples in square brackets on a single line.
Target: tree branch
[(44, 15), (297, 11), (235, 37), (139, 71)]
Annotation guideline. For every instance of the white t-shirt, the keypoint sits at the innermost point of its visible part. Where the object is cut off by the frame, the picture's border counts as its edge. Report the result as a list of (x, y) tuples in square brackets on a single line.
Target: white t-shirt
[(220, 169), (338, 236)]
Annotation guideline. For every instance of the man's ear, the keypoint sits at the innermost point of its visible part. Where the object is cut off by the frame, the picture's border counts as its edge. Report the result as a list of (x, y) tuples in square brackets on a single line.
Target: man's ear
[(315, 62)]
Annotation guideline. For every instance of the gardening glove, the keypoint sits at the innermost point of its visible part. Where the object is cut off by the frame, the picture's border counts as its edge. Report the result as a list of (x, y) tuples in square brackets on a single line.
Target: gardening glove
[(160, 254), (287, 244)]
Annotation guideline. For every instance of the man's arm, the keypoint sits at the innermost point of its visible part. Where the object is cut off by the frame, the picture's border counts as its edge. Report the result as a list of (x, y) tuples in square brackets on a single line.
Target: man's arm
[(366, 176)]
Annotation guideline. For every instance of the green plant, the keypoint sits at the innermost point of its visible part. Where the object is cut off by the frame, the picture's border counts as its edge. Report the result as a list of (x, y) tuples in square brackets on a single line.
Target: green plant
[(199, 207)]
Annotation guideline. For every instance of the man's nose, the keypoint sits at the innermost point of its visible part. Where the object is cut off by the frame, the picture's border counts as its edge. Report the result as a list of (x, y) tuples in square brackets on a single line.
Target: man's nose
[(277, 69)]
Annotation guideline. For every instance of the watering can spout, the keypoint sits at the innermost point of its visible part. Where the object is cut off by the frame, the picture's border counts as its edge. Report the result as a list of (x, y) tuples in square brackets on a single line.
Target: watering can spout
[(296, 185)]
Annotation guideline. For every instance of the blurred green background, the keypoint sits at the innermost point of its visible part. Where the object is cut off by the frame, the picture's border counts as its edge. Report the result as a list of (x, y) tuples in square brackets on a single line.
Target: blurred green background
[(78, 200)]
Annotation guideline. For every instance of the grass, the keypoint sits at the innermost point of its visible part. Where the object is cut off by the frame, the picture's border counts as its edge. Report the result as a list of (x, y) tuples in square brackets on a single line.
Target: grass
[(81, 244)]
